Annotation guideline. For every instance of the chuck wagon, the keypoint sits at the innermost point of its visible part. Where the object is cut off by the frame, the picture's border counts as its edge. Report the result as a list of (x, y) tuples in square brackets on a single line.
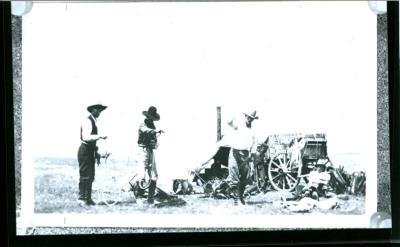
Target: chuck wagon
[(283, 160)]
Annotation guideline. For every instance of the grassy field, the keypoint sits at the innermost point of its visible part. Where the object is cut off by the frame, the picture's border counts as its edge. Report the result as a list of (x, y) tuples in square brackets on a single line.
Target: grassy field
[(56, 191)]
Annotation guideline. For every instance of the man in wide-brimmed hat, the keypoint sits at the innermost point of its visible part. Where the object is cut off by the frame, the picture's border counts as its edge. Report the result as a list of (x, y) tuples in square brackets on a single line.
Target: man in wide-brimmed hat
[(241, 140), (147, 142), (87, 153)]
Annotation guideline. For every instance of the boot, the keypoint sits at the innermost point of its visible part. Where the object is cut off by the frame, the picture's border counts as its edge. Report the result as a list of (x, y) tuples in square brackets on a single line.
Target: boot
[(234, 193), (82, 191), (152, 190), (241, 192), (89, 200)]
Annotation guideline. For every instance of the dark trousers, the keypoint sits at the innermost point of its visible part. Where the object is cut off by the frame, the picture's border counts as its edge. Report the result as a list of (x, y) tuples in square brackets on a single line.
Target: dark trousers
[(239, 172), (86, 160), (242, 163)]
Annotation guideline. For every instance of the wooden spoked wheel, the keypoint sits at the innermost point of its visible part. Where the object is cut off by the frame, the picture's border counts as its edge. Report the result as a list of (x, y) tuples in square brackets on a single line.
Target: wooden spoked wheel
[(283, 174)]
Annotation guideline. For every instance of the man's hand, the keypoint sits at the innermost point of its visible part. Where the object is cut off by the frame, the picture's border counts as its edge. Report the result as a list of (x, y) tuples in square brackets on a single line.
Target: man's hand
[(103, 137)]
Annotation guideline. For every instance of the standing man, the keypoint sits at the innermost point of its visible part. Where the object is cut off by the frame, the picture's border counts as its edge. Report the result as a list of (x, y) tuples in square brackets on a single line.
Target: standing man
[(147, 143), (87, 153), (242, 143)]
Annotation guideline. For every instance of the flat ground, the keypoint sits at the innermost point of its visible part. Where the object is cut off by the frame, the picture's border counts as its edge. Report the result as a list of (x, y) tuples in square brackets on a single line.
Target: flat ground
[(56, 192)]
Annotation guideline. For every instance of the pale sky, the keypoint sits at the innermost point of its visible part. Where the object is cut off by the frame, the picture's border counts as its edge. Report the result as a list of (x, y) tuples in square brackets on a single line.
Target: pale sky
[(305, 67)]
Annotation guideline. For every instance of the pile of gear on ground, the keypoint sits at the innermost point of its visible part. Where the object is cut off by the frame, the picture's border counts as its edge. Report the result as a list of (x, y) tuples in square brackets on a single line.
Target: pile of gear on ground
[(295, 163)]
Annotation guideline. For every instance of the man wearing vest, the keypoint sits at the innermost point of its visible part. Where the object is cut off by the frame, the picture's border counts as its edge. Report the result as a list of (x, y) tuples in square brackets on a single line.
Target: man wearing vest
[(147, 143), (87, 153)]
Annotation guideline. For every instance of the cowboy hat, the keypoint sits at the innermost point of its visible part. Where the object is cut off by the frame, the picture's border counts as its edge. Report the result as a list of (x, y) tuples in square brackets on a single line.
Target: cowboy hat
[(99, 106), (152, 113), (252, 115)]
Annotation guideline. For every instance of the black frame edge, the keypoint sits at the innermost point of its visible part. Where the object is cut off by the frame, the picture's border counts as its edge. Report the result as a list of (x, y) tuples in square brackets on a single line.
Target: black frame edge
[(394, 112), (9, 172), (201, 239)]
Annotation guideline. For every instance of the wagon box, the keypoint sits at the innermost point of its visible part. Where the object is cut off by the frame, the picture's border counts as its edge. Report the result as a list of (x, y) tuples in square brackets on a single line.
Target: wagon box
[(285, 158), (282, 160)]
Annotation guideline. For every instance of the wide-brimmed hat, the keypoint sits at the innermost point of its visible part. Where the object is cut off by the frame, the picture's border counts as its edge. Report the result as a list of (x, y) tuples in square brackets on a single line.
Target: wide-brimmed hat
[(252, 115), (152, 113), (99, 106)]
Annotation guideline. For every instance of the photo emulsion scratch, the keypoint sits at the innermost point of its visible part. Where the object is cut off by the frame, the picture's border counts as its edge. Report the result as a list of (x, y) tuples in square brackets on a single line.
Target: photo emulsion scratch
[(166, 115)]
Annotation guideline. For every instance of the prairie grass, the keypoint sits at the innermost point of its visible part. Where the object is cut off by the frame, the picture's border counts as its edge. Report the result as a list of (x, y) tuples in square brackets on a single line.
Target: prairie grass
[(56, 191)]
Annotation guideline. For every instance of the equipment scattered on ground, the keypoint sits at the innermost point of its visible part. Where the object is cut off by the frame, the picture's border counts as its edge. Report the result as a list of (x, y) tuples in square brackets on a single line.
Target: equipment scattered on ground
[(358, 183), (280, 163), (181, 187), (140, 189), (340, 180), (306, 204)]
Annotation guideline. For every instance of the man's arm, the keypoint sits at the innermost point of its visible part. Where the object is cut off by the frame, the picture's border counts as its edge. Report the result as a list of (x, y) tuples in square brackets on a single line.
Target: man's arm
[(143, 128), (86, 132)]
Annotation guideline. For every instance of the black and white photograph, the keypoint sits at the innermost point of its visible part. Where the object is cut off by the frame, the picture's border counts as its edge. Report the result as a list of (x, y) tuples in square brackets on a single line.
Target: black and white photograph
[(199, 115)]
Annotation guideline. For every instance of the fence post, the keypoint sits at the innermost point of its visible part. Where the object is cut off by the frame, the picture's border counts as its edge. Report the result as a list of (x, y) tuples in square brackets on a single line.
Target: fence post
[(219, 136)]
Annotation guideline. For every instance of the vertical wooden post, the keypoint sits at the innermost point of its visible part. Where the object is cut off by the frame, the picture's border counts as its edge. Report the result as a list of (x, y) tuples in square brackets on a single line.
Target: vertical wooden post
[(219, 136)]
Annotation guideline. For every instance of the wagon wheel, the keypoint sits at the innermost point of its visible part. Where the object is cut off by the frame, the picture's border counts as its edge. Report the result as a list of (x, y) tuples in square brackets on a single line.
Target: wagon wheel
[(283, 174)]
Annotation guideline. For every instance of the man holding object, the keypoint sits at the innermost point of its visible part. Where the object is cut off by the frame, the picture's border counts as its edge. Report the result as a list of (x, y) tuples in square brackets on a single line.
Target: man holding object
[(147, 144), (87, 153)]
